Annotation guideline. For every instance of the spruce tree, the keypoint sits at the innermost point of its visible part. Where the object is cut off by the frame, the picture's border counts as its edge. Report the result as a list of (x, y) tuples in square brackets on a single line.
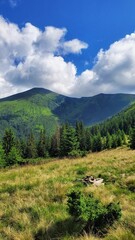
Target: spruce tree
[(108, 141), (81, 136), (31, 151), (97, 143), (119, 139), (2, 157), (13, 157), (41, 147), (68, 141), (114, 141), (88, 140), (132, 139), (8, 141), (55, 144)]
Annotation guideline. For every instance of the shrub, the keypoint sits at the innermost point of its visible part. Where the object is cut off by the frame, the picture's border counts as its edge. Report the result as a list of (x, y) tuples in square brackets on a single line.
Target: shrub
[(76, 153), (91, 213)]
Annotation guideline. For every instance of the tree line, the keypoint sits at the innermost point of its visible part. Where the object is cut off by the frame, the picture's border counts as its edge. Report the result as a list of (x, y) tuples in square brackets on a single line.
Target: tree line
[(67, 141)]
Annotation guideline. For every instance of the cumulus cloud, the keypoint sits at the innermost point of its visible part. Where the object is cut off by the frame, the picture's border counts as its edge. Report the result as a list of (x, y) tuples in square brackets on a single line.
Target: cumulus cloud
[(30, 58), (74, 46), (113, 72)]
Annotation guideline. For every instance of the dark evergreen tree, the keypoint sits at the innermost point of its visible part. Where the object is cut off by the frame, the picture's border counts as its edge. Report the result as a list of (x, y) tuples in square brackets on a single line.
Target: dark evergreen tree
[(23, 147), (132, 139), (124, 142), (97, 143), (68, 140), (31, 151), (119, 139), (108, 144), (81, 136), (55, 144), (88, 144), (41, 147), (8, 141), (2, 157), (13, 157), (114, 141)]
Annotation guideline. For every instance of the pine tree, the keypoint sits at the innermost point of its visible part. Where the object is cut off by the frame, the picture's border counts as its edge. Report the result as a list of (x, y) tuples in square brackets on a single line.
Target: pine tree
[(132, 139), (23, 147), (97, 143), (68, 141), (119, 139), (88, 140), (81, 136), (55, 144), (31, 151), (13, 157), (123, 138), (41, 147), (2, 157), (114, 141), (8, 141), (108, 141)]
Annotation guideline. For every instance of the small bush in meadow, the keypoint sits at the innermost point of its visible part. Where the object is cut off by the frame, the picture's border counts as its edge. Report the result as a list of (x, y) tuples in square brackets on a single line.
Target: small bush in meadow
[(91, 213)]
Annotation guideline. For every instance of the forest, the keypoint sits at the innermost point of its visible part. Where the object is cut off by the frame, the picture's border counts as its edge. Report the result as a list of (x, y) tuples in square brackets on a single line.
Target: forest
[(67, 141)]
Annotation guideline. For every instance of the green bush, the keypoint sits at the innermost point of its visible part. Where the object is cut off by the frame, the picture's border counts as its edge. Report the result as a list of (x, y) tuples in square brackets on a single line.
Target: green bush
[(91, 213), (76, 153)]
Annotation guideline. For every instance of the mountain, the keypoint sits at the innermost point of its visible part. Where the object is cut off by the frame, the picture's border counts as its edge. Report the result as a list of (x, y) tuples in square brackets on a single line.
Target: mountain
[(92, 110), (124, 120), (38, 108)]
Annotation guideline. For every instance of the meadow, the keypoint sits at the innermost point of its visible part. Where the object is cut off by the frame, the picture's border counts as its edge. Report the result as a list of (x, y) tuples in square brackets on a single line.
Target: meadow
[(33, 198)]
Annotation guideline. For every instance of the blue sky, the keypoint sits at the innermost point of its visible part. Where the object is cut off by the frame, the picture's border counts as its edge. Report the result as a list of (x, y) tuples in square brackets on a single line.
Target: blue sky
[(95, 24)]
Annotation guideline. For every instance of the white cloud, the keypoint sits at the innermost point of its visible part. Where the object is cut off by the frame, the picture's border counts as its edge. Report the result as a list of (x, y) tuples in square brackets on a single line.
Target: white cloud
[(30, 58), (74, 46), (113, 72)]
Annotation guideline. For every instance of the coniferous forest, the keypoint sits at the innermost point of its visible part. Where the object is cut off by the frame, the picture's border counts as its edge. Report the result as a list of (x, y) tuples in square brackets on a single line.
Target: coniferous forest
[(67, 141)]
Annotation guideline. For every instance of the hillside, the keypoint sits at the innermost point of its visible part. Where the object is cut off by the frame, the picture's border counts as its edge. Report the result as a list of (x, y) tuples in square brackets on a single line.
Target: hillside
[(40, 108), (95, 109), (30, 110), (34, 204), (124, 120)]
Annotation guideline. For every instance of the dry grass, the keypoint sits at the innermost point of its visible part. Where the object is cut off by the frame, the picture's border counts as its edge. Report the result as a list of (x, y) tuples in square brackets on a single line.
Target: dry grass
[(33, 198)]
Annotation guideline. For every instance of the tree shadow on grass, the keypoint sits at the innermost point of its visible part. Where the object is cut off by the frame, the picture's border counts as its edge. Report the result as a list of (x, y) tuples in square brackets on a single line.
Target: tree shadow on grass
[(59, 230)]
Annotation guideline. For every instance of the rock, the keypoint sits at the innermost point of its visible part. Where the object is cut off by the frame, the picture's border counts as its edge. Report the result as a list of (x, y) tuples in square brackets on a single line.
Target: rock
[(91, 180), (98, 182)]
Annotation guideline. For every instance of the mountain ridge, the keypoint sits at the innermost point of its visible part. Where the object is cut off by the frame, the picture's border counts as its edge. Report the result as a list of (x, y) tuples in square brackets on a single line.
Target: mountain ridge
[(39, 108)]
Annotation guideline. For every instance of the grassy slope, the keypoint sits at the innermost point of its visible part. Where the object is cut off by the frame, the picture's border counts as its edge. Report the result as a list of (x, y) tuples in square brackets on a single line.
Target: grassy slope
[(33, 198)]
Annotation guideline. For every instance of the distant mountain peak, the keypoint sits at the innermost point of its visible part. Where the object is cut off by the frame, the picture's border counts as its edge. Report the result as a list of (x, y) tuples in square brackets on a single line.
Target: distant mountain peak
[(26, 94)]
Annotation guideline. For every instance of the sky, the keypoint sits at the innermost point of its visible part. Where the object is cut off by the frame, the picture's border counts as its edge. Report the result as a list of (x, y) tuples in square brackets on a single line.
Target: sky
[(77, 48)]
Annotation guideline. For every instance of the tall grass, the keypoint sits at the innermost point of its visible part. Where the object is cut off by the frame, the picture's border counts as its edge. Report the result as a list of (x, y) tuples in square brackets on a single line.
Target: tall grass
[(33, 202)]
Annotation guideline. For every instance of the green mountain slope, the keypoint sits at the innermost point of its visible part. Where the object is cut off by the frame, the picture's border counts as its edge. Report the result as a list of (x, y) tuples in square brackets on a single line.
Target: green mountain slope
[(124, 121), (30, 110), (95, 109), (38, 108)]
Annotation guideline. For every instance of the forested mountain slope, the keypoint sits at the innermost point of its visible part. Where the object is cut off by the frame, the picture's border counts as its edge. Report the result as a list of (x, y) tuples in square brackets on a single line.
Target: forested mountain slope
[(40, 108)]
